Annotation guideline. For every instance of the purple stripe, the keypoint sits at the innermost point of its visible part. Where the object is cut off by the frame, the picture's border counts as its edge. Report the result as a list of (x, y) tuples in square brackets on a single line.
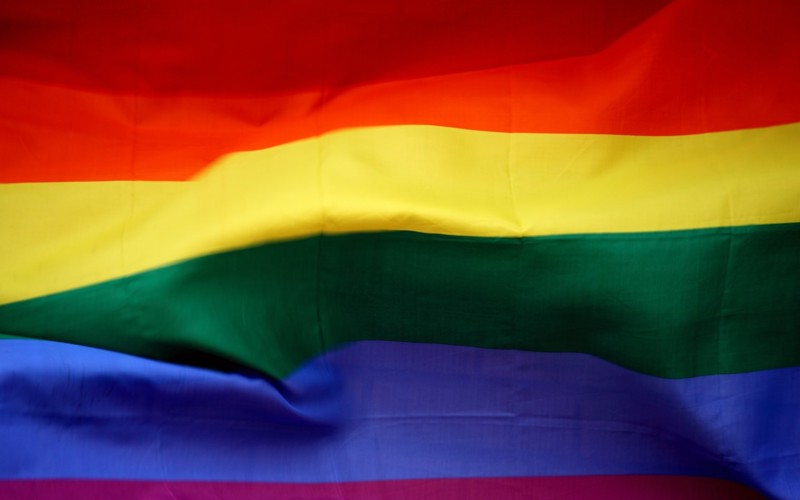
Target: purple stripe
[(541, 488), (380, 410)]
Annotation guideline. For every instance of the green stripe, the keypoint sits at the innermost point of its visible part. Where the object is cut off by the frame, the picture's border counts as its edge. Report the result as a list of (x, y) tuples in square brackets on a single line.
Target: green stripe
[(672, 304)]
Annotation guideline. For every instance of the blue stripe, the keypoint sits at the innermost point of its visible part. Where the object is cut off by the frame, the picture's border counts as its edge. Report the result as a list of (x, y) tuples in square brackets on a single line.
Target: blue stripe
[(384, 410)]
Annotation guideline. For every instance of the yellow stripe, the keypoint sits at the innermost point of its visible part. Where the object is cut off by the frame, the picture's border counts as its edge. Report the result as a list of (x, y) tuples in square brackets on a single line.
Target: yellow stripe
[(57, 236)]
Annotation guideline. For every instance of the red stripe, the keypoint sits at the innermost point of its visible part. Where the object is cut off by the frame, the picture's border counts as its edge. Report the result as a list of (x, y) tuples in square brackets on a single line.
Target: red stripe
[(240, 46), (689, 69), (562, 488)]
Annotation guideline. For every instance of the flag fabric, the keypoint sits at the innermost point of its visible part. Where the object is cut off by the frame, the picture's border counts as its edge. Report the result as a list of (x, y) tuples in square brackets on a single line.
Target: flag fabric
[(401, 250)]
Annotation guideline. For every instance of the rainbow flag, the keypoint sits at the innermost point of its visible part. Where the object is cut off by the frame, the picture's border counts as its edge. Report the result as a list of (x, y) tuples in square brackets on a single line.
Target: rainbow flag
[(362, 249)]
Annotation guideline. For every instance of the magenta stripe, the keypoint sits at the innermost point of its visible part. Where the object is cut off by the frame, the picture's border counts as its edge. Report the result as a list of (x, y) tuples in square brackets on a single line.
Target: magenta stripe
[(596, 487)]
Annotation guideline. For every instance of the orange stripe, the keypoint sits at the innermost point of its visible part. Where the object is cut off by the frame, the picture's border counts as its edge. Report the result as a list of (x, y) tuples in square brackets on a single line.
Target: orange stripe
[(674, 74)]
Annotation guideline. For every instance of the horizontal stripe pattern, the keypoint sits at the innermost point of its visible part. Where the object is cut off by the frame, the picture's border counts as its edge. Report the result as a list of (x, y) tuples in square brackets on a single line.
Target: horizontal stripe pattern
[(652, 80), (58, 236), (348, 417), (554, 300), (561, 488), (672, 304)]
